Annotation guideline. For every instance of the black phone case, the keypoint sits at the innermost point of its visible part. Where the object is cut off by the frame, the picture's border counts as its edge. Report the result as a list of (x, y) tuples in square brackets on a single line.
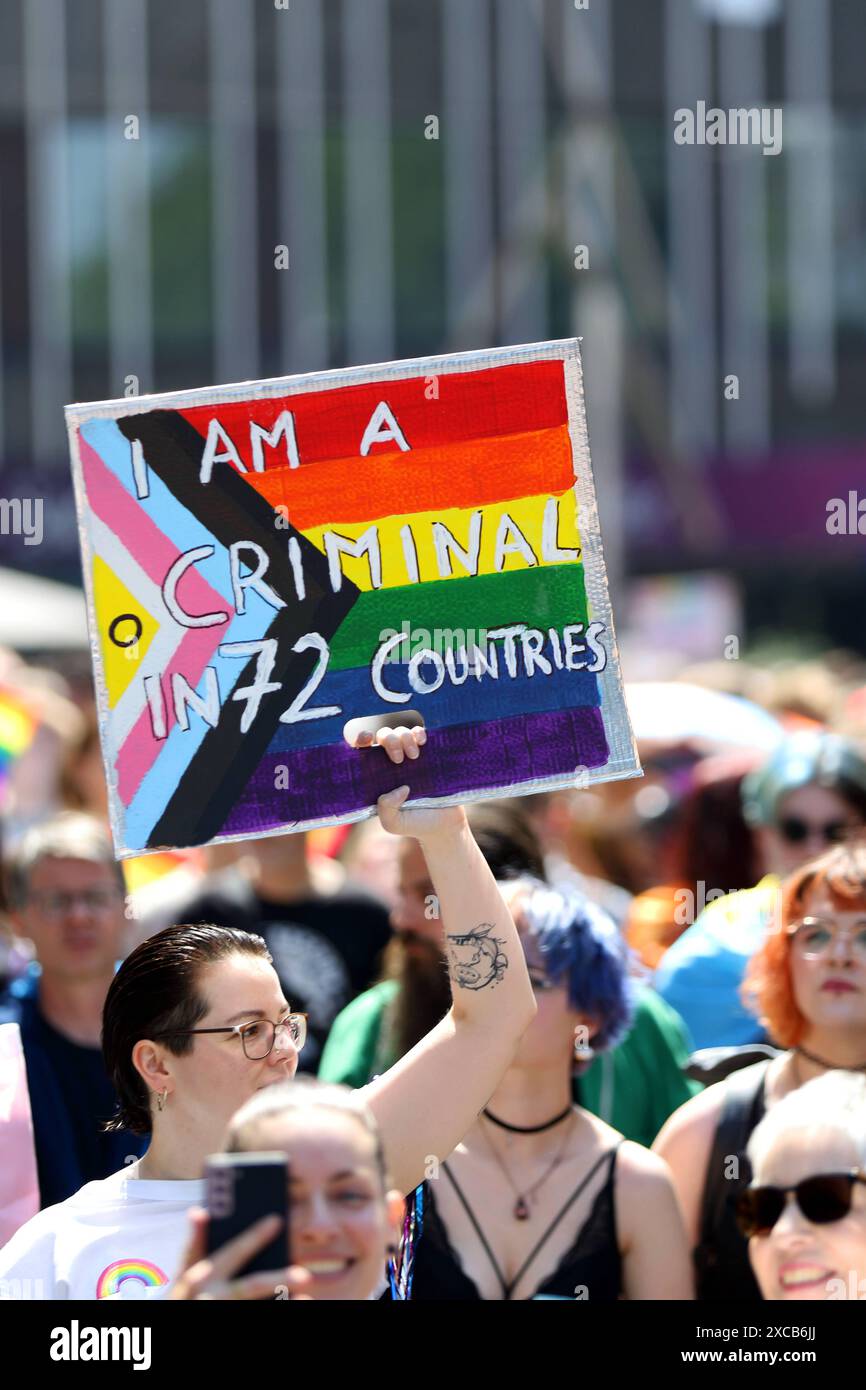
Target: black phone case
[(241, 1192)]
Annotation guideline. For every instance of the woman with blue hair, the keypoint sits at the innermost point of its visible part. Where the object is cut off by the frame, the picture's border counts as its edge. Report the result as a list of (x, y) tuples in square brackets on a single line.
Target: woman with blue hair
[(542, 1199)]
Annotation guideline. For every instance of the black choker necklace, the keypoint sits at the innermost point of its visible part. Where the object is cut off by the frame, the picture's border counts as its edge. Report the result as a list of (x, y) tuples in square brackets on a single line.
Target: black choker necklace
[(820, 1062), (528, 1129)]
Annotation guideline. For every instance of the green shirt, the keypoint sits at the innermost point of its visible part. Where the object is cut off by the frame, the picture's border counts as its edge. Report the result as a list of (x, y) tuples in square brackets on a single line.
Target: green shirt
[(634, 1087)]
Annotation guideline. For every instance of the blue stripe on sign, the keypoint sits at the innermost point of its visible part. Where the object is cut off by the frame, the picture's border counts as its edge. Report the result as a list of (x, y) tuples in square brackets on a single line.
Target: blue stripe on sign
[(184, 530), (469, 703)]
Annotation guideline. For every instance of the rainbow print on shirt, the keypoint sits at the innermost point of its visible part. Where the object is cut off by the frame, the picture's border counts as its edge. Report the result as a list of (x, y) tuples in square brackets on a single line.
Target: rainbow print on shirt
[(119, 1272)]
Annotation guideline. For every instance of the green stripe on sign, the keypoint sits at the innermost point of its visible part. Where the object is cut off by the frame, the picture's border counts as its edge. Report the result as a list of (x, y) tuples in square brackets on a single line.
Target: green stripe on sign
[(450, 612)]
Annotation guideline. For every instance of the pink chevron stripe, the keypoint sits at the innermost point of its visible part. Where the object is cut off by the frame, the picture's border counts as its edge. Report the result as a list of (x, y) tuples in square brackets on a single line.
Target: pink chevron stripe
[(149, 546), (153, 551), (140, 750)]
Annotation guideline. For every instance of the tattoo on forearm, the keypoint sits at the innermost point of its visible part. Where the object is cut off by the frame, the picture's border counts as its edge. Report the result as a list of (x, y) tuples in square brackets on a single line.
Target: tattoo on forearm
[(475, 958)]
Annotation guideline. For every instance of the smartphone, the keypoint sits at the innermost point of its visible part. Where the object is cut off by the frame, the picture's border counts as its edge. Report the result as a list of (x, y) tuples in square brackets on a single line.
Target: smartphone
[(241, 1189)]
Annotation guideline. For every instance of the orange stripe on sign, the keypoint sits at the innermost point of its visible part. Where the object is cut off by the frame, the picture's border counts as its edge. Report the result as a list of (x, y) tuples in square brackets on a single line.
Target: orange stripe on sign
[(454, 406), (471, 474)]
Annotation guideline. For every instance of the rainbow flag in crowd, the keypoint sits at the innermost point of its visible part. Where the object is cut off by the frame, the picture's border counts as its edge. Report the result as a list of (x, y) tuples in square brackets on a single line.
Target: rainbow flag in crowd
[(18, 725)]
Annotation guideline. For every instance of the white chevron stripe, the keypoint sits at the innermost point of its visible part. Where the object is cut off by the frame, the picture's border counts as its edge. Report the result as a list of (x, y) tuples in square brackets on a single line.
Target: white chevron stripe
[(167, 639)]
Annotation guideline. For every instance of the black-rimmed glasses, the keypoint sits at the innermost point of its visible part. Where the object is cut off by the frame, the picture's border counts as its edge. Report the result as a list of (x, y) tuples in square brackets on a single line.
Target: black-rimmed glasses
[(257, 1038)]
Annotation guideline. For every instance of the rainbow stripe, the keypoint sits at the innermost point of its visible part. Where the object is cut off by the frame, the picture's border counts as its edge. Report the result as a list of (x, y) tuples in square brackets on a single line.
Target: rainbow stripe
[(141, 872), (18, 725), (115, 1275), (487, 520), (495, 441)]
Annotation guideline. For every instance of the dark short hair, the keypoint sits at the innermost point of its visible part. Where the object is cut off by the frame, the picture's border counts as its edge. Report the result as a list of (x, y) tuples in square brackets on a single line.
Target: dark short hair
[(504, 833), (156, 990)]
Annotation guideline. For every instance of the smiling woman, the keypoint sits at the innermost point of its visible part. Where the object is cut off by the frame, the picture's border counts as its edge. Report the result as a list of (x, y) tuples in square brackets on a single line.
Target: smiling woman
[(808, 984), (186, 1023), (804, 1213), (344, 1213)]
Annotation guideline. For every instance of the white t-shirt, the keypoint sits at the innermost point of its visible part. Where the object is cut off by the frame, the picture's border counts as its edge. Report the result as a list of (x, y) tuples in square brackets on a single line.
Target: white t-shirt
[(122, 1237)]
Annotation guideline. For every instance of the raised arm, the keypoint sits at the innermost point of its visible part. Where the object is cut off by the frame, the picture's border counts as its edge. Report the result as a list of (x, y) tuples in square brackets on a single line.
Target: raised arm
[(429, 1099)]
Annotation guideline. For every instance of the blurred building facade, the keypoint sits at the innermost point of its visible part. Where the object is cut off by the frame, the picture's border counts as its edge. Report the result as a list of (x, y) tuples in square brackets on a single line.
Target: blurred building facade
[(220, 190)]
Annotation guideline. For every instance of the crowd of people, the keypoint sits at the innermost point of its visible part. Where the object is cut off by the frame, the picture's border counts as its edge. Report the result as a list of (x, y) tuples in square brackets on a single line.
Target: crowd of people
[(595, 1043)]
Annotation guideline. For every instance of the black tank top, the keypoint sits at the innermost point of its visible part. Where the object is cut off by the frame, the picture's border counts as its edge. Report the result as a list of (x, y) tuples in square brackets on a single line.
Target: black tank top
[(592, 1262), (722, 1269)]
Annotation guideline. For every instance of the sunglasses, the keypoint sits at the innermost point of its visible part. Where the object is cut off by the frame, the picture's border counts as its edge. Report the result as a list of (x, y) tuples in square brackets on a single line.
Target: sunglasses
[(796, 831), (822, 1199)]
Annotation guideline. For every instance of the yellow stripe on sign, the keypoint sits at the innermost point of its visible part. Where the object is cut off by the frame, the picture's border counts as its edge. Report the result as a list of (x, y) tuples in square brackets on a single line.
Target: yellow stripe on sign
[(113, 600), (453, 543)]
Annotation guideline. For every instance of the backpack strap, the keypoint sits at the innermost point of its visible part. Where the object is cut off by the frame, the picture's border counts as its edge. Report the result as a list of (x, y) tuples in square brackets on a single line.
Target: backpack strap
[(743, 1108)]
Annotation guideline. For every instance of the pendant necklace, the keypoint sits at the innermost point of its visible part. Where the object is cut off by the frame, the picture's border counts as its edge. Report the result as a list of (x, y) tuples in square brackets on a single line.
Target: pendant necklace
[(521, 1210)]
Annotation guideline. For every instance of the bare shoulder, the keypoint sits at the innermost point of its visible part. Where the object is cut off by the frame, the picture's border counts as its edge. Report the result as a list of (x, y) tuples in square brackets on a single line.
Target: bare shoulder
[(637, 1168), (640, 1171), (649, 1217), (692, 1126), (597, 1132)]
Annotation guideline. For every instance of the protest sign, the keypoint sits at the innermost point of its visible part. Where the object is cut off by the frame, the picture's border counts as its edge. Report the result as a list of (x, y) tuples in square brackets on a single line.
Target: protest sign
[(267, 561)]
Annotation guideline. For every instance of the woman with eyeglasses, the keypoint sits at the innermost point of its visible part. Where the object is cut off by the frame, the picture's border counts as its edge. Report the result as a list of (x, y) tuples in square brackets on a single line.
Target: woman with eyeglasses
[(195, 1023), (542, 1199), (804, 1212), (808, 985), (808, 795)]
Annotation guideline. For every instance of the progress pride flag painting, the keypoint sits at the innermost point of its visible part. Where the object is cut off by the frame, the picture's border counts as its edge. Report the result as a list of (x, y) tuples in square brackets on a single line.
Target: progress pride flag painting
[(266, 561)]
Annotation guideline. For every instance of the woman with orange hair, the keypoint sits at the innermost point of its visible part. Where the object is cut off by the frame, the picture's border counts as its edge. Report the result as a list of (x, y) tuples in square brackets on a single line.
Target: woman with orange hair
[(807, 983)]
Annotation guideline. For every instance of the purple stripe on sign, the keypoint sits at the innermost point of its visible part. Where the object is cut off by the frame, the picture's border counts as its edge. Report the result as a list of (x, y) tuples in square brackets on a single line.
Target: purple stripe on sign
[(329, 781)]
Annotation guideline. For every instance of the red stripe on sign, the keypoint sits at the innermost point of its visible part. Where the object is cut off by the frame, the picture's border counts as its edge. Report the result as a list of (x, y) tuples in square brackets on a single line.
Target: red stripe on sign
[(504, 400), (470, 474)]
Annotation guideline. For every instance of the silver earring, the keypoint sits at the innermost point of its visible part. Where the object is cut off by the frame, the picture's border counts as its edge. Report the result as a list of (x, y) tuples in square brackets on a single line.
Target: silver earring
[(582, 1052), (160, 1100)]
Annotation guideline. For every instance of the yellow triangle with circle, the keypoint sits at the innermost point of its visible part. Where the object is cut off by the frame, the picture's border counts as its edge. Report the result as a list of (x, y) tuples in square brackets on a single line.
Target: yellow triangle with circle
[(113, 601)]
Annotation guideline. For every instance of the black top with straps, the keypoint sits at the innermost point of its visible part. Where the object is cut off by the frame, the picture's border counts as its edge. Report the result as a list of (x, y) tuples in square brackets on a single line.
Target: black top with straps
[(722, 1268), (590, 1268)]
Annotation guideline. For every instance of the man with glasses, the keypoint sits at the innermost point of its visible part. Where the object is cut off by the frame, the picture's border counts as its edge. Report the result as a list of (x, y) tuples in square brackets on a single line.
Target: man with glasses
[(66, 894), (809, 795)]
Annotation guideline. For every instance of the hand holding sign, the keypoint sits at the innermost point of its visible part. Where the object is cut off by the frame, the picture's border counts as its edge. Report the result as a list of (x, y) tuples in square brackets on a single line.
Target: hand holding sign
[(400, 742), (400, 735)]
